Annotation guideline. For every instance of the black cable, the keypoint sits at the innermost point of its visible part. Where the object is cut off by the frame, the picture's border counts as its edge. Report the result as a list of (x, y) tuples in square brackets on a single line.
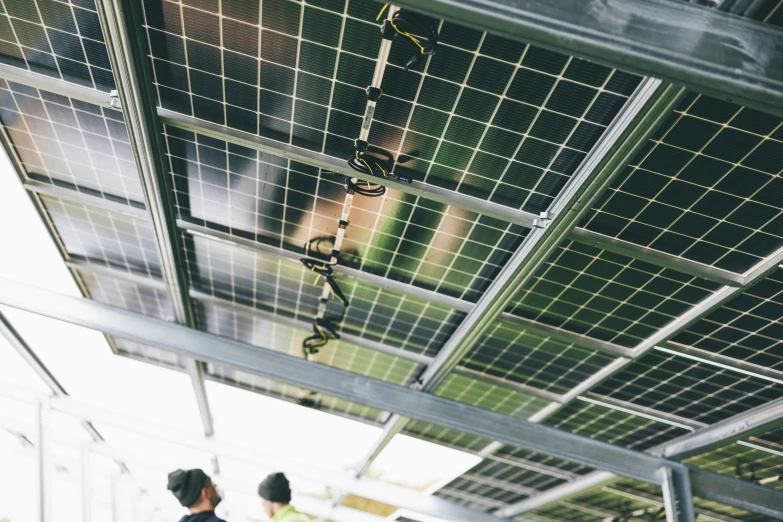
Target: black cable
[(374, 161), (405, 23), (325, 270), (323, 332)]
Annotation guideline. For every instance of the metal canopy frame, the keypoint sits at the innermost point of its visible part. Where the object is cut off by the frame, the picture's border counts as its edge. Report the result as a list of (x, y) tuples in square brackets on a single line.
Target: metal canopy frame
[(704, 49), (650, 42), (385, 396), (121, 25)]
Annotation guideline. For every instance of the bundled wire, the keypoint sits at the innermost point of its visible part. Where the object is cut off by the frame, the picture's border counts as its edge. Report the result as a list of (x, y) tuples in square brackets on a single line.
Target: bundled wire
[(324, 270), (374, 161), (404, 24), (323, 332)]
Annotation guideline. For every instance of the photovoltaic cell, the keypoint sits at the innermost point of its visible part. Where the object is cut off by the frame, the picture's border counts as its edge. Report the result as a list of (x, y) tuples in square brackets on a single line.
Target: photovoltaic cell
[(273, 336), (688, 389), (706, 187), (286, 204), (613, 426), (104, 237), (762, 461), (283, 286), (296, 72), (130, 296), (70, 143), (607, 296), (511, 352), (747, 328), (484, 395), (56, 38)]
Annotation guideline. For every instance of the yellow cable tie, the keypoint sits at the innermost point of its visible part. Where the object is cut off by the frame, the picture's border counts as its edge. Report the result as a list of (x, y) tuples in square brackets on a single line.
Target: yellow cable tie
[(381, 13)]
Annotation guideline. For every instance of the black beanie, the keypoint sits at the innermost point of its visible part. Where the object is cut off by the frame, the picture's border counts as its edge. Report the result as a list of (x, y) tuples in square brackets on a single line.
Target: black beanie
[(275, 488), (187, 485)]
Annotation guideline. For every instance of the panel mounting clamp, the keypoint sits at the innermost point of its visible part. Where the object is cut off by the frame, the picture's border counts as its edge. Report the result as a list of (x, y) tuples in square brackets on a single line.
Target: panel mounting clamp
[(543, 220)]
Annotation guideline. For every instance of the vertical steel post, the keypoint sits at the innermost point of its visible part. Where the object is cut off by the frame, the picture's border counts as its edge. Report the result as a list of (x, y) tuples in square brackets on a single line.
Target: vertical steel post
[(43, 467), (86, 483), (677, 497)]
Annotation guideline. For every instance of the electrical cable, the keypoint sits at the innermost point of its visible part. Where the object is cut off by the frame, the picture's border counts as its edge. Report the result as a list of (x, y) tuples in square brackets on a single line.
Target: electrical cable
[(323, 332), (373, 161), (404, 23)]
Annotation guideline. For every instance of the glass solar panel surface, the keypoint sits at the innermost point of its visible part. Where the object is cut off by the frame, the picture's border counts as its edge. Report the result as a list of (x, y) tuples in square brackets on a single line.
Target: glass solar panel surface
[(285, 287), (747, 328), (296, 72), (130, 296), (706, 187), (59, 39), (445, 436), (269, 335), (70, 143), (613, 426), (688, 389), (607, 296), (148, 353), (484, 395), (104, 237), (286, 204), (511, 352)]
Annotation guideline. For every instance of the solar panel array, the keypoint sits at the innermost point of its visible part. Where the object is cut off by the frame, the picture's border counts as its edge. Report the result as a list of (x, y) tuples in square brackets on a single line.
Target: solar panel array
[(497, 120)]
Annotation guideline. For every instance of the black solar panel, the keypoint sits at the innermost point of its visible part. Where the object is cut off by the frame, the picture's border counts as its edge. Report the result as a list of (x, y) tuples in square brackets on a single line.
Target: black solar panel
[(613, 426), (286, 204), (705, 187), (130, 296), (607, 296), (56, 39), (489, 396), (687, 389), (70, 143), (104, 237), (285, 287), (748, 328), (511, 352), (278, 337), (296, 73), (445, 436)]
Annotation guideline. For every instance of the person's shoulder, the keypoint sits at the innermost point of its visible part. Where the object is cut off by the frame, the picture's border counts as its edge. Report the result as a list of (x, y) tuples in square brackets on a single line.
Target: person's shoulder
[(215, 518)]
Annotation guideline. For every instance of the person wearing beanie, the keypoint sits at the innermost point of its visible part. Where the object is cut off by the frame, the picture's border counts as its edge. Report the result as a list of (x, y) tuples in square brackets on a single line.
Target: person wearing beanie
[(275, 493), (195, 490)]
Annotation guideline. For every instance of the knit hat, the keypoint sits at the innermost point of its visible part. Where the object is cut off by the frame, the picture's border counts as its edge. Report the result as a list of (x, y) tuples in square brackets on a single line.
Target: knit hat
[(187, 485), (275, 488)]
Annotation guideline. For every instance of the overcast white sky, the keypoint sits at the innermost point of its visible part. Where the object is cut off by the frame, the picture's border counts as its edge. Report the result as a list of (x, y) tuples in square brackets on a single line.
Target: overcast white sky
[(82, 361)]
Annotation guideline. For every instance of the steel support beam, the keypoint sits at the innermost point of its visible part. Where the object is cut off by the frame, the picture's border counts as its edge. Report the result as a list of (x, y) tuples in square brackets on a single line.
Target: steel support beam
[(650, 103), (706, 50), (510, 215), (85, 482), (124, 33), (346, 385), (677, 498)]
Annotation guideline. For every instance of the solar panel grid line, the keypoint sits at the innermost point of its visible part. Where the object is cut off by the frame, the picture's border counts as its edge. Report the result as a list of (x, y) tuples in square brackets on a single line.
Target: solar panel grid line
[(722, 362), (709, 188)]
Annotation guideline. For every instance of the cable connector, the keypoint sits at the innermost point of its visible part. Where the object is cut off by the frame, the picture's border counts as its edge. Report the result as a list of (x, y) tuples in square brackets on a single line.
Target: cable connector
[(343, 223), (387, 30), (543, 220), (360, 145), (373, 93)]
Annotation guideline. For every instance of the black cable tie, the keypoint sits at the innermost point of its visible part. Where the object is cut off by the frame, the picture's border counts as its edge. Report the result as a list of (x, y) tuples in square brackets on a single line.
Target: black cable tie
[(373, 93), (343, 223), (323, 299), (360, 145), (335, 253), (387, 30)]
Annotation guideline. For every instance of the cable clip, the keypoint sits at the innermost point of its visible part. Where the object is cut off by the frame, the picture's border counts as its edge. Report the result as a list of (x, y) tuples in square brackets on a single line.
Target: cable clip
[(114, 99), (543, 220), (387, 30), (360, 145), (373, 93)]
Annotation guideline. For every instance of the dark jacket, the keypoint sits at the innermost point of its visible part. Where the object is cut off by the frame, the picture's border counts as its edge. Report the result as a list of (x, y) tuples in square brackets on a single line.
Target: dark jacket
[(204, 516)]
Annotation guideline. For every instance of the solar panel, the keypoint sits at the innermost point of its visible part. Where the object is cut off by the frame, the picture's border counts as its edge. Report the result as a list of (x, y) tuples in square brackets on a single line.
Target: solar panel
[(613, 426), (607, 296), (56, 39), (445, 436), (485, 395), (148, 353), (704, 188), (747, 328), (285, 287), (688, 389), (128, 295), (103, 237), (286, 204), (70, 143), (511, 352)]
